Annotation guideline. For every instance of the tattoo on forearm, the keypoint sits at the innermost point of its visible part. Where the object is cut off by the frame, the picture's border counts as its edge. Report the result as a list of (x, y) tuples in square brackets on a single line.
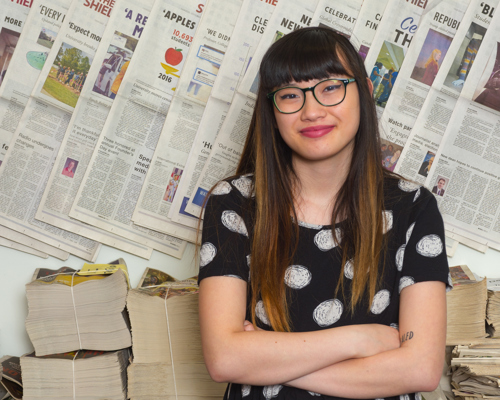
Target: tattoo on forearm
[(406, 336)]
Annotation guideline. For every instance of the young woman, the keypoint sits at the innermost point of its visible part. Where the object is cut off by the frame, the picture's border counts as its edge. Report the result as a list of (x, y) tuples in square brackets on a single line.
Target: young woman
[(431, 67), (321, 274)]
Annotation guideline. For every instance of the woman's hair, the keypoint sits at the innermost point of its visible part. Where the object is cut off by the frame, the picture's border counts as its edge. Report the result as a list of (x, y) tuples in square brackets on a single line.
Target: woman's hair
[(432, 59), (303, 55)]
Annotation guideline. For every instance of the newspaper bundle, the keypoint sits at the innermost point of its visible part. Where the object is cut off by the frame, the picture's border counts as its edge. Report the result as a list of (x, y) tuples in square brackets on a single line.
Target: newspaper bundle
[(10, 378)]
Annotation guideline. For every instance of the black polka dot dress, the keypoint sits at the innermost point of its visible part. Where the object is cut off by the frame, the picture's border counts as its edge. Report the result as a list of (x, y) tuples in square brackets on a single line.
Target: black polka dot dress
[(416, 253)]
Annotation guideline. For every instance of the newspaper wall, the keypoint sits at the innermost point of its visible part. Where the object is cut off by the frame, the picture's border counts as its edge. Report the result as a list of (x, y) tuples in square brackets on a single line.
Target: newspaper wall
[(368, 20), (12, 20), (425, 138), (130, 135), (30, 158), (183, 120), (288, 16), (252, 21), (227, 148), (392, 39), (118, 44), (339, 15), (465, 174), (430, 46)]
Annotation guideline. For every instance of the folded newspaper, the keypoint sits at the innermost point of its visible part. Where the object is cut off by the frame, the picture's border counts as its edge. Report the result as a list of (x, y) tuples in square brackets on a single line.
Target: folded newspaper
[(70, 312), (77, 375), (168, 359)]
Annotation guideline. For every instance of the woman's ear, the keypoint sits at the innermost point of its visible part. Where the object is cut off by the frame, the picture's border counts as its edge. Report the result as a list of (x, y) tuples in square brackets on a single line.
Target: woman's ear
[(370, 85)]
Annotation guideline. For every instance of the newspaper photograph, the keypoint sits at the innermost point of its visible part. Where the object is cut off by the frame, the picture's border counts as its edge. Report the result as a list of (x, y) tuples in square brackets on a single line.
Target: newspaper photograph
[(390, 44), (130, 136), (208, 48), (212, 120), (23, 175), (65, 71), (226, 151), (465, 174), (288, 16), (251, 23), (430, 46), (339, 15), (368, 20), (428, 129), (119, 41)]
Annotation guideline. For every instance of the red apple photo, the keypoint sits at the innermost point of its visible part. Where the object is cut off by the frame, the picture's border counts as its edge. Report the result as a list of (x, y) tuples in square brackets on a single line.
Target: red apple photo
[(173, 56)]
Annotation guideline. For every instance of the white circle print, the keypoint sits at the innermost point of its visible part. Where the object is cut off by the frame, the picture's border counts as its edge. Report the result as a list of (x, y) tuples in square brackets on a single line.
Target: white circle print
[(313, 393), (404, 397), (394, 325), (405, 281), (380, 301), (245, 390), (328, 312), (232, 221), (407, 186), (430, 246), (418, 396), (400, 255), (349, 269), (271, 392), (297, 276), (244, 185), (417, 195), (260, 312), (222, 187), (324, 239), (450, 283), (207, 253), (388, 220)]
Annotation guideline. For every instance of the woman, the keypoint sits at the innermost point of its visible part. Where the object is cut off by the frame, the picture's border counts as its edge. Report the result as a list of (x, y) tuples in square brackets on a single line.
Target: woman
[(390, 162), (313, 255), (431, 67)]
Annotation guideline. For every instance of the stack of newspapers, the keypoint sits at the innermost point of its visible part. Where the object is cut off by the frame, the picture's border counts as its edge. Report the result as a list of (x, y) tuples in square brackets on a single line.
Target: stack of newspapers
[(71, 312), (476, 371), (79, 329), (76, 375), (493, 308), (466, 307), (166, 343)]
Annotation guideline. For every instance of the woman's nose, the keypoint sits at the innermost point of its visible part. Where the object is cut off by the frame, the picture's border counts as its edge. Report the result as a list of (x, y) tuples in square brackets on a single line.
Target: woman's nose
[(312, 109)]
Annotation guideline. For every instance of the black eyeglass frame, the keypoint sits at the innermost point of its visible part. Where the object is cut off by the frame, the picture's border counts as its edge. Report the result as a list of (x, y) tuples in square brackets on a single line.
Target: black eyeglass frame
[(345, 81)]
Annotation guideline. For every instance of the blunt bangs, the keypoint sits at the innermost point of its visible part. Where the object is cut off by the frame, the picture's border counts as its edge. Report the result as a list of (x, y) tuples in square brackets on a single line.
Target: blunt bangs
[(304, 55)]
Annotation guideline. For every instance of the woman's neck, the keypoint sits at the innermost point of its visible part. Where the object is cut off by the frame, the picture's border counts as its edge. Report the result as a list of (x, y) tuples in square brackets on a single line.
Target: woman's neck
[(316, 190)]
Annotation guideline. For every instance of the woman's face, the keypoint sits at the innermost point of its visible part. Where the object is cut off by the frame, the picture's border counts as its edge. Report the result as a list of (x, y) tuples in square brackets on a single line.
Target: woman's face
[(437, 55), (318, 133)]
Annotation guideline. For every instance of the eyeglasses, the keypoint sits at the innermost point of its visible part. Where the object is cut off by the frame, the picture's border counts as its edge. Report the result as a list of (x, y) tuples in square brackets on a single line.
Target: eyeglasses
[(291, 99)]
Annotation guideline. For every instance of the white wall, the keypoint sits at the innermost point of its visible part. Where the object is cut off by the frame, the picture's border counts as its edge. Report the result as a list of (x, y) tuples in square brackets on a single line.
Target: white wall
[(16, 269)]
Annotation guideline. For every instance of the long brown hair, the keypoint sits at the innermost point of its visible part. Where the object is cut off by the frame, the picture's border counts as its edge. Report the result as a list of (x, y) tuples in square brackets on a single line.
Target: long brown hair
[(306, 54)]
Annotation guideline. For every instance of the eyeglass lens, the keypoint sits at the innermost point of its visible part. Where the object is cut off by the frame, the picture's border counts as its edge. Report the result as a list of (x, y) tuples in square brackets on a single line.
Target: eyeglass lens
[(328, 93)]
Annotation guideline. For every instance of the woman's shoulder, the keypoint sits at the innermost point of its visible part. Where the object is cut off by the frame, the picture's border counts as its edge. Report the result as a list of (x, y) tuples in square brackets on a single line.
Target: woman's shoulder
[(232, 191), (405, 196)]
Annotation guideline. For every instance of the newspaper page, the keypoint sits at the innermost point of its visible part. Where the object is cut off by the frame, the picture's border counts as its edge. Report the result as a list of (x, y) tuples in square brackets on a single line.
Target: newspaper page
[(225, 154), (13, 15), (30, 158), (428, 129), (118, 43), (430, 46), (368, 20), (130, 135), (251, 23), (21, 247), (339, 15), (211, 121), (465, 174), (288, 16), (183, 120), (392, 39)]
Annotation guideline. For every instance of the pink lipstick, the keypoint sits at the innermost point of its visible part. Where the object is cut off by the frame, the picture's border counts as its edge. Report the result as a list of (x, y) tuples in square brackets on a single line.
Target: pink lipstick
[(316, 131)]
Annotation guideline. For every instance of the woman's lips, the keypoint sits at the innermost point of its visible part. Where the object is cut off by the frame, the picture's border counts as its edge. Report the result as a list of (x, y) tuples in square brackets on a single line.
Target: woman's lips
[(316, 131)]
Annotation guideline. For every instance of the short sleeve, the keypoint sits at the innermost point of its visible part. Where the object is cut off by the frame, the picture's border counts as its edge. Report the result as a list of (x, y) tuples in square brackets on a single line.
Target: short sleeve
[(423, 255), (225, 244)]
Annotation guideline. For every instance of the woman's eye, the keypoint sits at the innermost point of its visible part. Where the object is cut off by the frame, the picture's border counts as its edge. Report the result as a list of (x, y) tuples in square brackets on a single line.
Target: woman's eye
[(289, 96), (332, 88)]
